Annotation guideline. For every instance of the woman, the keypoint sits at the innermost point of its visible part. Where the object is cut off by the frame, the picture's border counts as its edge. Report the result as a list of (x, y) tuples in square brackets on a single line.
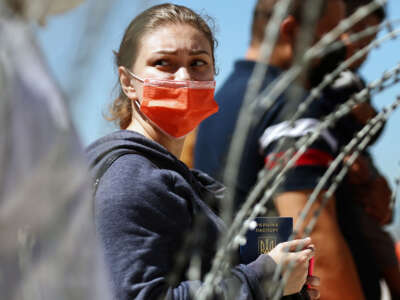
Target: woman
[(146, 199)]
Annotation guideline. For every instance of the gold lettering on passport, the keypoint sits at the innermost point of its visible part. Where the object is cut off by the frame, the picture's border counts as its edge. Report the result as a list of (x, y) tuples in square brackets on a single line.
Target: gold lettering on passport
[(267, 227), (265, 244)]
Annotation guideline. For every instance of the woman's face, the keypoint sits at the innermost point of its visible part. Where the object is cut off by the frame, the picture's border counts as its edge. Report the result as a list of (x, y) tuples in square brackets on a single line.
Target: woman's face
[(174, 52)]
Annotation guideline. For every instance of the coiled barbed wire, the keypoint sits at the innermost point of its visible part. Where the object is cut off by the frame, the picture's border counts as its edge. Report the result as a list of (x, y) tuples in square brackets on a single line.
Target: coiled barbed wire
[(316, 92), (249, 224), (359, 143), (302, 144), (317, 51), (232, 168), (231, 171), (245, 115), (235, 235), (292, 154), (328, 79), (313, 52), (244, 119)]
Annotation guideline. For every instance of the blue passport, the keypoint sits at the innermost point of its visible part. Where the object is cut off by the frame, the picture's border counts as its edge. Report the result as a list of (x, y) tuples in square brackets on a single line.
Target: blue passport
[(269, 232)]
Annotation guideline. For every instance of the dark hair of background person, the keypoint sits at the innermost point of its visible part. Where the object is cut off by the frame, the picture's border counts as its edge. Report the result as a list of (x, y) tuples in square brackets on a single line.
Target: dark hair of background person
[(149, 20), (263, 11), (353, 5)]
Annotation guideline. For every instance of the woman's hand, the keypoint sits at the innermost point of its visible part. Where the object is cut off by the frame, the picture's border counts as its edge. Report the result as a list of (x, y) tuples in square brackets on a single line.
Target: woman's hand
[(285, 253)]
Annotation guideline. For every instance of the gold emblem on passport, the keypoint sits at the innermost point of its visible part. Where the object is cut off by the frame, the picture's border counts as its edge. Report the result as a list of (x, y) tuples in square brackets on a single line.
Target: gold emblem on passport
[(265, 244)]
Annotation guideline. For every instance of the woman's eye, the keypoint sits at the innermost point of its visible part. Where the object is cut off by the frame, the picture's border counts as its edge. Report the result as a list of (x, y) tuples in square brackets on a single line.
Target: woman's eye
[(161, 62), (198, 63)]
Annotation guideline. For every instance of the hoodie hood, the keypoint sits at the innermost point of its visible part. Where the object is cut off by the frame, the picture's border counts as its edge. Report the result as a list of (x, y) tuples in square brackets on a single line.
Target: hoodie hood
[(125, 140)]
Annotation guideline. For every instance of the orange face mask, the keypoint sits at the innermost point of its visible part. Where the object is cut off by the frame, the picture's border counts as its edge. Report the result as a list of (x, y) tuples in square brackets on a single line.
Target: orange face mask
[(177, 107)]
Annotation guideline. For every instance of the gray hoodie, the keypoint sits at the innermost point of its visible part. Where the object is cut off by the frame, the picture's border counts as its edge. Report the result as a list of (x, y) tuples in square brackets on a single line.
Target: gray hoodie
[(146, 205)]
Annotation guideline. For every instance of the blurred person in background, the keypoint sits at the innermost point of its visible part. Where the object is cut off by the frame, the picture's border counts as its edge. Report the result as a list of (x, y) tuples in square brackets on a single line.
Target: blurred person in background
[(146, 200), (334, 262)]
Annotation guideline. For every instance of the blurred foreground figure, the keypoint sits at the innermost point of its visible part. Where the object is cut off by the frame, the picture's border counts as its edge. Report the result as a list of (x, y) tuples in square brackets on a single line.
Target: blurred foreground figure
[(48, 248)]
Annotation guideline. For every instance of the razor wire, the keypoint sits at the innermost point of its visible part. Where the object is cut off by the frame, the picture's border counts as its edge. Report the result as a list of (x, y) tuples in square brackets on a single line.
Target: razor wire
[(258, 209), (317, 91), (365, 92), (270, 37), (325, 45), (245, 115), (230, 173), (317, 51), (359, 143), (303, 143), (371, 30), (250, 224), (310, 14), (368, 130), (244, 120), (261, 76), (235, 235), (332, 168), (307, 140), (329, 78)]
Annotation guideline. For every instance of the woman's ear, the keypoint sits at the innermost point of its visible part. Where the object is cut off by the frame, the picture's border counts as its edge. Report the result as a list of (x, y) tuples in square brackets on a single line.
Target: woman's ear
[(126, 84), (289, 28)]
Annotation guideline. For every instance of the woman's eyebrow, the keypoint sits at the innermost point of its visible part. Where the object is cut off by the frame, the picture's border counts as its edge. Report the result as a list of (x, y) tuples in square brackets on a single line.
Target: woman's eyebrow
[(198, 52), (175, 52)]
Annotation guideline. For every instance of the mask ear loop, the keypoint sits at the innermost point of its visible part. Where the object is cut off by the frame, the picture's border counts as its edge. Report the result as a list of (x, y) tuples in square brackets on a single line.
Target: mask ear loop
[(137, 103), (134, 76)]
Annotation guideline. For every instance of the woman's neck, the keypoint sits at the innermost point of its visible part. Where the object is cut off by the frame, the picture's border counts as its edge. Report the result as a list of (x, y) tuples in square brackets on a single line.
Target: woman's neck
[(143, 127)]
